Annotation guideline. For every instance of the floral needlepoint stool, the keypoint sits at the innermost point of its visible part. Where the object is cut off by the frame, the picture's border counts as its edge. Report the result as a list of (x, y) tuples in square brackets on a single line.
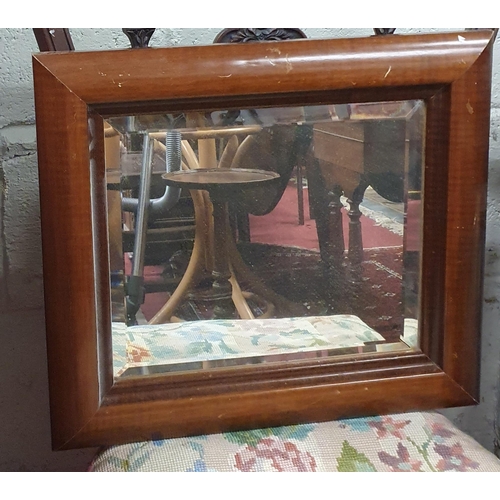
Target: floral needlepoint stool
[(420, 441), (411, 442)]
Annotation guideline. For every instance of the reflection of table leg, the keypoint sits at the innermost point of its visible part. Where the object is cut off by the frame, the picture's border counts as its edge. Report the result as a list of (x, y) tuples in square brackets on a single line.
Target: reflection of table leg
[(254, 283), (221, 270), (335, 229), (239, 300), (222, 289), (355, 233), (325, 207), (201, 200), (213, 254), (195, 267), (228, 268), (330, 231), (203, 257)]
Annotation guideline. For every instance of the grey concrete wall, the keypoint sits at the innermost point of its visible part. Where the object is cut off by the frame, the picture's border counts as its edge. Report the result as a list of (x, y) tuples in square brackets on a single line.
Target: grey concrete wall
[(24, 411)]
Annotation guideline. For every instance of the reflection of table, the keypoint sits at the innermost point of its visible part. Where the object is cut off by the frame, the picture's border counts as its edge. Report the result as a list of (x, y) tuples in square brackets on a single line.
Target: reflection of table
[(147, 209), (350, 156), (128, 171), (223, 185)]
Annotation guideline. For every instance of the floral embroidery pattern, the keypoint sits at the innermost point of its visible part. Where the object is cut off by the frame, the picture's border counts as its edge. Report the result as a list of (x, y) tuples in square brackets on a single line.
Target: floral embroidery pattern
[(360, 424), (253, 437), (145, 345), (272, 454), (133, 461), (413, 442), (440, 432), (351, 460), (388, 426), (453, 458), (402, 462)]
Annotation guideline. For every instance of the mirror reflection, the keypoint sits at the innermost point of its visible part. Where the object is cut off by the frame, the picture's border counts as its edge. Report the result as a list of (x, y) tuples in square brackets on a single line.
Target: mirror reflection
[(262, 235)]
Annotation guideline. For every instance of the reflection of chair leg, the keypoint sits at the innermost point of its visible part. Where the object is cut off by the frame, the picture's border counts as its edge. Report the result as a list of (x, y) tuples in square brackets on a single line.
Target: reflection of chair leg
[(243, 226), (300, 194), (229, 152), (239, 300), (195, 267)]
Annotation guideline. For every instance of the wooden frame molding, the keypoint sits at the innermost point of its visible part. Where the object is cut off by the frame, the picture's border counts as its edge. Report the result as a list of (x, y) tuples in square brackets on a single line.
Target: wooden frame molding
[(74, 91)]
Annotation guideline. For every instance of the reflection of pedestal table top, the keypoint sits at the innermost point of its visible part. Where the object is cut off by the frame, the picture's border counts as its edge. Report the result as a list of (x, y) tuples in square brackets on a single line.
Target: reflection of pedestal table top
[(223, 185)]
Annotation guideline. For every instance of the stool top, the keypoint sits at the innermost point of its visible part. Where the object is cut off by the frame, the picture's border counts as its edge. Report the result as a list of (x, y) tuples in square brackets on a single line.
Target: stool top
[(219, 179)]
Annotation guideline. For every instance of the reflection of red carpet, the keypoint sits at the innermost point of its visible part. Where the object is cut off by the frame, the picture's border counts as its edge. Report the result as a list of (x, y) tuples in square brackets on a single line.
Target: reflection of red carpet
[(297, 273), (281, 227)]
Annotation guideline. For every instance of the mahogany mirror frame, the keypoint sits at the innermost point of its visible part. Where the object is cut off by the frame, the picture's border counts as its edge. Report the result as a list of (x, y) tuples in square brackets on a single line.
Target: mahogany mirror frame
[(74, 91)]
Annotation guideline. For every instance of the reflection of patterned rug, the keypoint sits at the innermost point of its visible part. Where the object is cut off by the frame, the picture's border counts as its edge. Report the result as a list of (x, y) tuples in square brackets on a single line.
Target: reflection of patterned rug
[(299, 275)]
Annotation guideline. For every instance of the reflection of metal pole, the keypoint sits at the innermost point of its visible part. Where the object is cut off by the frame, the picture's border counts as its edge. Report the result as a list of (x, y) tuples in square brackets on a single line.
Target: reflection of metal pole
[(159, 207), (135, 284), (145, 208)]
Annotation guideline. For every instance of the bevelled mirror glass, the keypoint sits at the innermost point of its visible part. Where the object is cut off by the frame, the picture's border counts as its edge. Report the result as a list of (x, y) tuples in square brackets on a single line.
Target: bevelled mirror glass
[(324, 260), (239, 236)]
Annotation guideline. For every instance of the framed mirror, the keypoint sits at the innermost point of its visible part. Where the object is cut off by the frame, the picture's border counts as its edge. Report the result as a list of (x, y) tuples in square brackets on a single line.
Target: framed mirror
[(238, 236)]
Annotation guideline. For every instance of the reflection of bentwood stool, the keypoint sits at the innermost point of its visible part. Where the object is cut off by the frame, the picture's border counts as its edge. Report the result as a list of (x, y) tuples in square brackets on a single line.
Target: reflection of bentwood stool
[(223, 186)]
